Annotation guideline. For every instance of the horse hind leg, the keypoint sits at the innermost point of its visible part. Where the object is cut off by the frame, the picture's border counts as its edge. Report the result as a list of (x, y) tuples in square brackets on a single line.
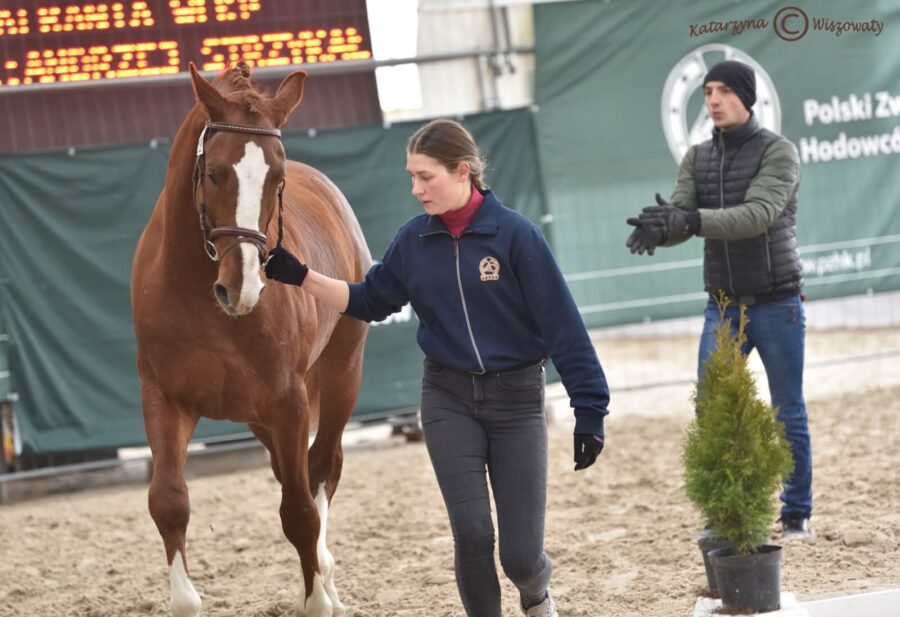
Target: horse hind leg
[(326, 560), (168, 432), (337, 378), (299, 512), (324, 472)]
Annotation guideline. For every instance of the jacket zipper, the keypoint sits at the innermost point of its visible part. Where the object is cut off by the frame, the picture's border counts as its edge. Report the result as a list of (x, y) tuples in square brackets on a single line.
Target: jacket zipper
[(465, 309), (722, 207)]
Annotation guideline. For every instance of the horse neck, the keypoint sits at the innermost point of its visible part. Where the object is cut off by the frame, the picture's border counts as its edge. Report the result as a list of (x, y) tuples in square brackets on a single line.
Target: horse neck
[(179, 216)]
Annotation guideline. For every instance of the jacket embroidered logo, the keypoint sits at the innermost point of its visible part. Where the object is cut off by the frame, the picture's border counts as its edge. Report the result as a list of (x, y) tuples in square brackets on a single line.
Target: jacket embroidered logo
[(490, 269)]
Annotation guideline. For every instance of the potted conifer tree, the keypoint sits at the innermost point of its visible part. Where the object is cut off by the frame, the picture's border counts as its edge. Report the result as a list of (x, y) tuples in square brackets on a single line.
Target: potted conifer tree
[(735, 459)]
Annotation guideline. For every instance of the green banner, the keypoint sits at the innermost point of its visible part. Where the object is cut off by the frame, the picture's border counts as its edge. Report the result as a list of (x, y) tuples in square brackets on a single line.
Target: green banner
[(619, 87), (70, 224), (4, 363)]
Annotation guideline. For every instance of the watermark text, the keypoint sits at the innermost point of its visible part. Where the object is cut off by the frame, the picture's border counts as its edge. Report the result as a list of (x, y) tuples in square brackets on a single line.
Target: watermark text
[(789, 23)]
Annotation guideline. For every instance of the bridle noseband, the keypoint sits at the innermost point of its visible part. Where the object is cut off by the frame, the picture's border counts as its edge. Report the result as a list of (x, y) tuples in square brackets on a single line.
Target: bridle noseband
[(241, 234)]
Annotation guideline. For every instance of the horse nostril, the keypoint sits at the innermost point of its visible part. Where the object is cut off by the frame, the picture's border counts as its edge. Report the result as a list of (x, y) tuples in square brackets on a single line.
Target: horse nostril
[(222, 294)]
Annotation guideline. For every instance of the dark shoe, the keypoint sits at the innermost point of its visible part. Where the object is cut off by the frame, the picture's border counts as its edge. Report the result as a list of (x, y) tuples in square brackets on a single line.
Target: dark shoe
[(794, 526)]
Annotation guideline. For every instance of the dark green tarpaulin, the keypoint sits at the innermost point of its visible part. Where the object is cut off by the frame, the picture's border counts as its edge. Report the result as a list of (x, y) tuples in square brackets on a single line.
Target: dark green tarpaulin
[(4, 363), (596, 148), (602, 67), (69, 226)]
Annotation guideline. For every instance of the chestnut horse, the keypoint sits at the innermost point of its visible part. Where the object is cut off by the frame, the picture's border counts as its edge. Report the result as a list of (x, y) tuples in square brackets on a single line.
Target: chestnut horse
[(209, 343)]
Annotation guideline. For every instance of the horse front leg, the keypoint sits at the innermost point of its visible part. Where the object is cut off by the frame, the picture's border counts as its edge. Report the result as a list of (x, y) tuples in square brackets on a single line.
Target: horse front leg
[(266, 440), (299, 513), (168, 431)]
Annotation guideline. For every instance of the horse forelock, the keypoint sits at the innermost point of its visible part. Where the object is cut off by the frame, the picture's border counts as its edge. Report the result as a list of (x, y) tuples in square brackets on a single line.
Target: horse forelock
[(231, 79), (235, 85)]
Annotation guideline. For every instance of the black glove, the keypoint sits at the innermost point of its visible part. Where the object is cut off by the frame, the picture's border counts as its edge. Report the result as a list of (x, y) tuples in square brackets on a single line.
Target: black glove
[(587, 447), (283, 267), (645, 238), (677, 224)]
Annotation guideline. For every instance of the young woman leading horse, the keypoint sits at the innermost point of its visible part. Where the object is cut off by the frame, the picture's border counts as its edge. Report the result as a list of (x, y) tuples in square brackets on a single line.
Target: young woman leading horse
[(492, 305), (210, 344)]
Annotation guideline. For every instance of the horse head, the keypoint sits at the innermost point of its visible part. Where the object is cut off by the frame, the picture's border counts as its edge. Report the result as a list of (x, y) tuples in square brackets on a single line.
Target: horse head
[(238, 178)]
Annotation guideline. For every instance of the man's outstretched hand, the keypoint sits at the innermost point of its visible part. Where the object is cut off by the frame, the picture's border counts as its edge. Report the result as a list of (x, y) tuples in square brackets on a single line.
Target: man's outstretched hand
[(645, 238), (676, 224)]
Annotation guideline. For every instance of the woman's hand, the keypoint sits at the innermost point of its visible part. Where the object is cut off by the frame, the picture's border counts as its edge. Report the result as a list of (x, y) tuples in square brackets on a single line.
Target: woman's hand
[(587, 447), (283, 267)]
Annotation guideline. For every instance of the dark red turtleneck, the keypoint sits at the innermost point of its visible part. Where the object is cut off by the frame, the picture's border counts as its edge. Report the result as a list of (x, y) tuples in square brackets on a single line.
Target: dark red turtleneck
[(457, 220)]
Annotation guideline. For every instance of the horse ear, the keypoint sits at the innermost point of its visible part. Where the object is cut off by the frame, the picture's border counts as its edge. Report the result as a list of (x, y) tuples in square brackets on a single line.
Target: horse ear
[(207, 94), (288, 96)]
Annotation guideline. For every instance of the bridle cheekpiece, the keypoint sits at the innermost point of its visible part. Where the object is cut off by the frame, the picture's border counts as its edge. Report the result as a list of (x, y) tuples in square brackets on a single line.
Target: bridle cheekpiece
[(240, 234)]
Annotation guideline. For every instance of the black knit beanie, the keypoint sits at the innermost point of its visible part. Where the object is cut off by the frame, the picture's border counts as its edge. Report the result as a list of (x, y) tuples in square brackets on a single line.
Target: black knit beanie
[(737, 76)]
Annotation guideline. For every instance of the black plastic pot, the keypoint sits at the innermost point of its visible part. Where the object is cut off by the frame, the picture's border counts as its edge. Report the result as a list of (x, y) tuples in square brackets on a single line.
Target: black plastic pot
[(707, 544), (748, 582)]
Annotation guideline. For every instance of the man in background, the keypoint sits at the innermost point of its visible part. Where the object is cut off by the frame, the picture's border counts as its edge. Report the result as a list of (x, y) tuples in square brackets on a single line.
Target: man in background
[(738, 191)]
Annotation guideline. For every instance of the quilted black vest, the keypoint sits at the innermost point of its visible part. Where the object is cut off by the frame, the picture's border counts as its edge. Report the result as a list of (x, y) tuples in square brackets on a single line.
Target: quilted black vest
[(763, 265)]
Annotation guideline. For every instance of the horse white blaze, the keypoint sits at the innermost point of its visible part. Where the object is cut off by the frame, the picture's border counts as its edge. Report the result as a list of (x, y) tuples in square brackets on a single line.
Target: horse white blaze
[(185, 601), (251, 173), (326, 561)]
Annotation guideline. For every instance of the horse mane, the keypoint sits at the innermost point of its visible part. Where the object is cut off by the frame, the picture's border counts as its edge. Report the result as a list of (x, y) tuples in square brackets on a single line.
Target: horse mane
[(234, 84)]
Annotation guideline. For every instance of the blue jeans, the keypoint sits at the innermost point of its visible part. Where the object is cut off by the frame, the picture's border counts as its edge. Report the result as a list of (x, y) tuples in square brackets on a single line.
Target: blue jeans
[(777, 331)]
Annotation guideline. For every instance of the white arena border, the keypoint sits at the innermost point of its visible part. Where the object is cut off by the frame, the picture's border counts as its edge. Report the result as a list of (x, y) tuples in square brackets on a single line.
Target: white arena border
[(875, 604), (875, 310)]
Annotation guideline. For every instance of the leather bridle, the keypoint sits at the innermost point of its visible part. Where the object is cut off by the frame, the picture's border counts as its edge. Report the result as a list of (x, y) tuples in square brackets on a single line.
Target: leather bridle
[(240, 234)]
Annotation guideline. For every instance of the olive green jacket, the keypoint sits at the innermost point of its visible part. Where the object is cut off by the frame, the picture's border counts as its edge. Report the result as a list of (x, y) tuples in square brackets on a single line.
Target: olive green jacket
[(769, 192)]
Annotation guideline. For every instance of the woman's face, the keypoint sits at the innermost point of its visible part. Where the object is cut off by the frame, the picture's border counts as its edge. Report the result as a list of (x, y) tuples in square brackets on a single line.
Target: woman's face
[(438, 189)]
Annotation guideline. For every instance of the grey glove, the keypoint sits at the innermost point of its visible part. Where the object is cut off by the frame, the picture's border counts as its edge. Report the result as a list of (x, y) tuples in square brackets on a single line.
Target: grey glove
[(677, 224)]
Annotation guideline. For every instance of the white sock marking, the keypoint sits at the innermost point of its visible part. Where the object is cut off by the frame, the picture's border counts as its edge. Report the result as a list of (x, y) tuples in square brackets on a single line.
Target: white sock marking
[(318, 604), (185, 601), (326, 561)]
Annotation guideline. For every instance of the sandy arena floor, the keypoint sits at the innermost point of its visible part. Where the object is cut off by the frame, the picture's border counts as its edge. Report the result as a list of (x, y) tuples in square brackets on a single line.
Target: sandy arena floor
[(621, 534)]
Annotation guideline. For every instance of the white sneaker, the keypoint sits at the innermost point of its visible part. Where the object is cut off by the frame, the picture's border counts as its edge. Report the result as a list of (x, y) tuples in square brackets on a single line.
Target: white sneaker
[(545, 609)]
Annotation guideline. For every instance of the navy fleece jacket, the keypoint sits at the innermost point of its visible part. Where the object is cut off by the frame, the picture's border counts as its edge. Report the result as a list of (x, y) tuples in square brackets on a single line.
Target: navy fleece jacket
[(489, 300)]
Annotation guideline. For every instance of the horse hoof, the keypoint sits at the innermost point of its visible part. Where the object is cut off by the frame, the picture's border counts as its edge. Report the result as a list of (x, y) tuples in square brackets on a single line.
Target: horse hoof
[(185, 601), (318, 604), (186, 609)]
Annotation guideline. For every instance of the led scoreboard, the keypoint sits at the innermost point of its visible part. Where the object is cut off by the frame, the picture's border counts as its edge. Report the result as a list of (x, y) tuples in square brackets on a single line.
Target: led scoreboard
[(52, 41)]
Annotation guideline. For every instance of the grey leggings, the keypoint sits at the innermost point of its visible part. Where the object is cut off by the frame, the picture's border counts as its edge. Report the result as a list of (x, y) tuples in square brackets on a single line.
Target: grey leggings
[(493, 422)]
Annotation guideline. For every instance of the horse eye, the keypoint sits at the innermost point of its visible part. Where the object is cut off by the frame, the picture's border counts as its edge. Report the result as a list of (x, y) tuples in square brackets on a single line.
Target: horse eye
[(211, 174)]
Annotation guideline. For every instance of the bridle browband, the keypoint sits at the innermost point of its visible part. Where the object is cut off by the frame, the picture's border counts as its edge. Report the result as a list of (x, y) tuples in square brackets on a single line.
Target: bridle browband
[(241, 234)]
